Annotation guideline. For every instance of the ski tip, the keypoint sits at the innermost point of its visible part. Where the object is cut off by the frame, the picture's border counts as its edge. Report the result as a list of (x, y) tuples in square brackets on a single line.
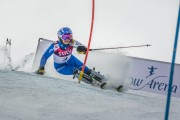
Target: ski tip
[(119, 88), (103, 85)]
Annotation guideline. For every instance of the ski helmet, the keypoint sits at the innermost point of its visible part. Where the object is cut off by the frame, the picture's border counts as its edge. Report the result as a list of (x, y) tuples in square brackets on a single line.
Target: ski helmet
[(64, 31)]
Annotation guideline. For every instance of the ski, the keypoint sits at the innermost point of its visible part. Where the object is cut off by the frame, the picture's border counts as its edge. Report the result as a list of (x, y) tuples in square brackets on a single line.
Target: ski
[(105, 86)]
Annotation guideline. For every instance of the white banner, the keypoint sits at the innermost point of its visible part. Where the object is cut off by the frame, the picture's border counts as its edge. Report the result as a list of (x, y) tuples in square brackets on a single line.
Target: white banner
[(153, 76)]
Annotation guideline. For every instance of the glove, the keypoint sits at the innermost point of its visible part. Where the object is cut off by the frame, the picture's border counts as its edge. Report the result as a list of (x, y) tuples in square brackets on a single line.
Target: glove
[(81, 49), (40, 71)]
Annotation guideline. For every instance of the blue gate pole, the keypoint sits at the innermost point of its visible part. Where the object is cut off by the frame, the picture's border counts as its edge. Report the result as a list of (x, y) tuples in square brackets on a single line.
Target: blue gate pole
[(172, 69)]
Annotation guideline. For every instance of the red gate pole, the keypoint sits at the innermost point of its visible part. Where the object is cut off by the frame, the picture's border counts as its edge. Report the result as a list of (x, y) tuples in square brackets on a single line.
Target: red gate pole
[(89, 43)]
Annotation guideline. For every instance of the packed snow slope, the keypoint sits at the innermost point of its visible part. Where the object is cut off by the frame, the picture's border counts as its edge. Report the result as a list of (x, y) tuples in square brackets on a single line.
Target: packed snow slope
[(27, 96)]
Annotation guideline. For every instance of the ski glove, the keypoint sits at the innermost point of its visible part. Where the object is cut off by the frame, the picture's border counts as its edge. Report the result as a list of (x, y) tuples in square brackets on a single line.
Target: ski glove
[(81, 49), (40, 70)]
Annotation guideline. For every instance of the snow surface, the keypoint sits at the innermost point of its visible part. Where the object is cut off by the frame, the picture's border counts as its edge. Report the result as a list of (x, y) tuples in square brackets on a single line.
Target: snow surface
[(27, 96)]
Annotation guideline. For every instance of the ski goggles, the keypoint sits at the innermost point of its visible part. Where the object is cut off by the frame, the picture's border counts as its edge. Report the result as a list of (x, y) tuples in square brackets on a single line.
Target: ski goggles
[(66, 36)]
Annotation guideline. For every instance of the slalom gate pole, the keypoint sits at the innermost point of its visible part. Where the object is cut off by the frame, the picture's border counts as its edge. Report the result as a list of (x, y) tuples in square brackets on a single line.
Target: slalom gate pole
[(89, 43), (172, 69), (8, 47), (120, 47)]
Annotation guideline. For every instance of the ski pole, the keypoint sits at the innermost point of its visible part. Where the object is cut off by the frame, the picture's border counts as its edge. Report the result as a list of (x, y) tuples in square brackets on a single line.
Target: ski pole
[(120, 47)]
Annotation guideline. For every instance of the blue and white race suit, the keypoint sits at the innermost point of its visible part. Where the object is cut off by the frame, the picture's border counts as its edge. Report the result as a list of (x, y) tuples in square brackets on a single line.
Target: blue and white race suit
[(64, 62)]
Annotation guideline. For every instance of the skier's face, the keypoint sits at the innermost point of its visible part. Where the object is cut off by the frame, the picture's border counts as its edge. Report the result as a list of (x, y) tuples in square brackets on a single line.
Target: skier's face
[(66, 38), (66, 41)]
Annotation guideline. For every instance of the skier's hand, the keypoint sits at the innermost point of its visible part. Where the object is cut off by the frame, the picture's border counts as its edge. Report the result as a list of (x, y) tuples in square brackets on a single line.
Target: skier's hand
[(40, 70), (81, 49)]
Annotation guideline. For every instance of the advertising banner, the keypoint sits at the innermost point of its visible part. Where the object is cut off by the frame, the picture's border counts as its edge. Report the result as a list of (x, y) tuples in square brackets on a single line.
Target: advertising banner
[(153, 76)]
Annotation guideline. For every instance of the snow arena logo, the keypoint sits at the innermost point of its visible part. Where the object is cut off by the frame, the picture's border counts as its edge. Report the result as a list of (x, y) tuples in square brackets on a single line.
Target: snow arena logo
[(153, 81)]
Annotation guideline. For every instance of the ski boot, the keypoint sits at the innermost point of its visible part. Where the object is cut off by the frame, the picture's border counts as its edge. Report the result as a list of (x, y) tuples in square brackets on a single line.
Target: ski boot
[(96, 75), (86, 78), (91, 77)]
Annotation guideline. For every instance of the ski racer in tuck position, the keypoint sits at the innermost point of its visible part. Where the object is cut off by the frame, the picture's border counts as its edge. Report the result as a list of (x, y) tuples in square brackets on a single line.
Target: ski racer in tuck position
[(64, 62)]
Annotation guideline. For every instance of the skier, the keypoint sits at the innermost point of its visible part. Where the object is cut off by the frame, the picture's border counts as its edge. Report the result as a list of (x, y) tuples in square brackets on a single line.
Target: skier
[(64, 62)]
